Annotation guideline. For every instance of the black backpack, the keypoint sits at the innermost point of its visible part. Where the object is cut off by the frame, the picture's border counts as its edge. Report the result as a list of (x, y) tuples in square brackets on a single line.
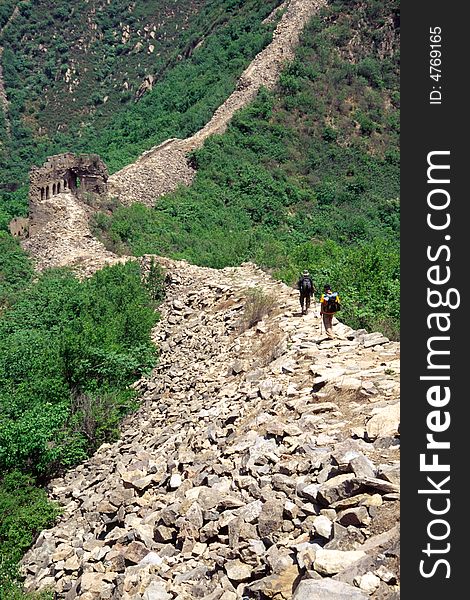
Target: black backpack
[(332, 303), (306, 286)]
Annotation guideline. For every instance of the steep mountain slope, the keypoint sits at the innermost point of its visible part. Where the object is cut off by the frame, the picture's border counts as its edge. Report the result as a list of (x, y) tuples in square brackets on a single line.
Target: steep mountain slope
[(69, 80), (66, 241), (161, 169), (264, 454), (308, 175), (80, 59), (72, 56)]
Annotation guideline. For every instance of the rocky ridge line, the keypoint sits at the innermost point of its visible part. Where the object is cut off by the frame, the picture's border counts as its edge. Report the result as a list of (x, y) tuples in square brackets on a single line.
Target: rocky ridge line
[(263, 462), (162, 168)]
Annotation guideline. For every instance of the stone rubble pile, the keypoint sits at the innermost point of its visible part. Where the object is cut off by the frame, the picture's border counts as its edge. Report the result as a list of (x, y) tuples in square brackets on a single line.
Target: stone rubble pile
[(156, 172), (67, 240), (263, 462), (163, 168)]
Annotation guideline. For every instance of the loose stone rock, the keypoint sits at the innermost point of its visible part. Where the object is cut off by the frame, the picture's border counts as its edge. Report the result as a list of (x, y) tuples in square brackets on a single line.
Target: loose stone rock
[(330, 562), (215, 491), (328, 589)]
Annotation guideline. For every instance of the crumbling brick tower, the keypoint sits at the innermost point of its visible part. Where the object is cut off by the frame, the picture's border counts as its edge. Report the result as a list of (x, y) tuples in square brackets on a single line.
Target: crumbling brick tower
[(63, 173)]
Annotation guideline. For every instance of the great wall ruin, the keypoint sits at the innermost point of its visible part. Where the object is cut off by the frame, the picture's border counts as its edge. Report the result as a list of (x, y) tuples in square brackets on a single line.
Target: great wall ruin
[(54, 197), (263, 462), (62, 173), (163, 168)]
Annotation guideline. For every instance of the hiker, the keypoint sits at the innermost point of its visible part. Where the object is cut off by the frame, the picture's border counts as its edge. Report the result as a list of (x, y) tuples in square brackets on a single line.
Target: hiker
[(329, 304), (305, 287)]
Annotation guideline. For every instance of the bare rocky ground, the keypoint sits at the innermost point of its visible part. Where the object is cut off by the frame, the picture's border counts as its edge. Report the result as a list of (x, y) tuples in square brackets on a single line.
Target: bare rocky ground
[(67, 240), (263, 462), (163, 168)]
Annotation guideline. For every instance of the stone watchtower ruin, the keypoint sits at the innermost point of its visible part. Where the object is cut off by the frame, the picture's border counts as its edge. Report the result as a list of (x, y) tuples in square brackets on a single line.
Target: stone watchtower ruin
[(63, 173)]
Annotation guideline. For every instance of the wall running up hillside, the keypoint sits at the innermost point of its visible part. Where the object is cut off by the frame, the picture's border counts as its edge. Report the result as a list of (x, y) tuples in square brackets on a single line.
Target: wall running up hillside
[(263, 462), (67, 240), (164, 167)]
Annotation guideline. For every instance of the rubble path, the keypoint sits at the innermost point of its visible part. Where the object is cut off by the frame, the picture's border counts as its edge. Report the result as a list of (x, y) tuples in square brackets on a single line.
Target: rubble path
[(263, 461), (164, 167), (66, 241)]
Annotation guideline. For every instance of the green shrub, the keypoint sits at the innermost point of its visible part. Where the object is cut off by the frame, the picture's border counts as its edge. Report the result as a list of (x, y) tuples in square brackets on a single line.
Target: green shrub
[(25, 511), (68, 352), (16, 270)]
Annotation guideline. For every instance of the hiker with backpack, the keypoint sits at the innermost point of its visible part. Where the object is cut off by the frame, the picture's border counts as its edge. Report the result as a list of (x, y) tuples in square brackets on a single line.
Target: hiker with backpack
[(306, 289), (329, 305)]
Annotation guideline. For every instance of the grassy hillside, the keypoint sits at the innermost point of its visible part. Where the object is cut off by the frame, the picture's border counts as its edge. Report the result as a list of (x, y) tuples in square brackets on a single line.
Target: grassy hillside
[(307, 176), (74, 71)]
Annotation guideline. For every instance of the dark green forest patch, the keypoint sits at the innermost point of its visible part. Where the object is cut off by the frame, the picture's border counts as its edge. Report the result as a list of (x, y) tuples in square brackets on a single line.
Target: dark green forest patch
[(69, 352)]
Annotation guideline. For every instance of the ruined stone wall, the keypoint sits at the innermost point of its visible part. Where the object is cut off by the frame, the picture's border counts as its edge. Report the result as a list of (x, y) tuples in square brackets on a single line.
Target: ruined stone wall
[(262, 463), (163, 168), (63, 173)]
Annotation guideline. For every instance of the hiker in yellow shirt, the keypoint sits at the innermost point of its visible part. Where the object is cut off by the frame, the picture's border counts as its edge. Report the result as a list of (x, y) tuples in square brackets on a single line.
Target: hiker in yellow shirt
[(329, 304)]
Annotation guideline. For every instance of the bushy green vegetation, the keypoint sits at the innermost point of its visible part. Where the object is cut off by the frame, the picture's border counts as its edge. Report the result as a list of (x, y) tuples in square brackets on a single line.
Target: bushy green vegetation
[(305, 177), (188, 95), (25, 511), (69, 350), (6, 10), (201, 47), (16, 270)]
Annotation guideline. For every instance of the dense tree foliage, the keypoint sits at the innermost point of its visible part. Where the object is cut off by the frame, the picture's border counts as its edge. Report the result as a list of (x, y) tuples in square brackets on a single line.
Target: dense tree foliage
[(69, 350), (16, 270), (25, 511)]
